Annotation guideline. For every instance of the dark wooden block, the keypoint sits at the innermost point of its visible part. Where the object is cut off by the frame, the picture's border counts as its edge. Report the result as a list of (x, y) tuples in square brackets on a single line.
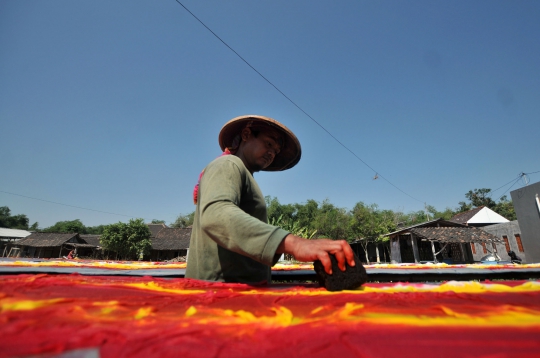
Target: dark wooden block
[(350, 279)]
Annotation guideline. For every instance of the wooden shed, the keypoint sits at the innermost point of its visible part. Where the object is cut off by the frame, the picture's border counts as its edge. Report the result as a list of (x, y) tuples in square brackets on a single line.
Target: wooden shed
[(170, 243), (50, 245), (437, 241)]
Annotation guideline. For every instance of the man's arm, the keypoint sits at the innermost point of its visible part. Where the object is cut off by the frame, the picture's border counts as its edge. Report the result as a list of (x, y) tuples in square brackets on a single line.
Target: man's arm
[(311, 250)]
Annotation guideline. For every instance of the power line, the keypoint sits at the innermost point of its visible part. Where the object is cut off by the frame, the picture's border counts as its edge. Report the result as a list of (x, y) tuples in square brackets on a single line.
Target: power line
[(294, 103), (502, 186), (509, 188), (519, 176), (71, 206)]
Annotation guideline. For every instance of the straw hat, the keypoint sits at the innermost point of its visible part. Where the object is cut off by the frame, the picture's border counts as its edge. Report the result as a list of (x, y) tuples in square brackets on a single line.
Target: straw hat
[(290, 152)]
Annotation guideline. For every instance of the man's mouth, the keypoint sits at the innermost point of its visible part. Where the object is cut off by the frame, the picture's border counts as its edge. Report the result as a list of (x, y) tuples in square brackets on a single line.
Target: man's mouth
[(268, 159)]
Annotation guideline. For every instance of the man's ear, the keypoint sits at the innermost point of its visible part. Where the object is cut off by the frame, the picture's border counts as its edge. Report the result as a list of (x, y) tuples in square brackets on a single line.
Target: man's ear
[(246, 133)]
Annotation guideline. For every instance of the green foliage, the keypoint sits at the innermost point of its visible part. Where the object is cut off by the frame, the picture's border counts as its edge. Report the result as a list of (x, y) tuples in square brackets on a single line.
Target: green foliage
[(370, 223), (293, 227), (14, 221), (155, 221), (95, 230), (505, 208), (74, 226), (127, 240), (183, 221), (68, 227), (482, 197), (332, 222)]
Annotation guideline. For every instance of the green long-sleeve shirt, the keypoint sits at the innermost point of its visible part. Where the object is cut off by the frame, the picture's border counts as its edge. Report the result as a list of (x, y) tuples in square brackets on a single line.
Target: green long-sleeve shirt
[(231, 240)]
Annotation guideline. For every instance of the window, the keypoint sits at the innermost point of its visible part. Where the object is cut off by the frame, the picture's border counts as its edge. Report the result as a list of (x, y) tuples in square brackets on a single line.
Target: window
[(484, 247), (506, 243), (473, 248), (519, 243)]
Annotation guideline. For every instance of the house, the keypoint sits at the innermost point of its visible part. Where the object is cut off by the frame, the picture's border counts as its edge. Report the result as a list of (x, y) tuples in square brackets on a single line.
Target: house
[(438, 240), (497, 225), (510, 234), (50, 245), (8, 237), (526, 202), (480, 216), (170, 243)]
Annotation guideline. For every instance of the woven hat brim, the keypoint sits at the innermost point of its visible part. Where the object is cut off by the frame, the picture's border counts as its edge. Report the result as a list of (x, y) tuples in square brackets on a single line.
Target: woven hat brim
[(290, 153)]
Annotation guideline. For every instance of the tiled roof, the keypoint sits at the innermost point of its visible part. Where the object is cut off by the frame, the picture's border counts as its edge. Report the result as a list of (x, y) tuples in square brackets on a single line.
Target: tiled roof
[(47, 239), (436, 222), (155, 229), (464, 217), (454, 234), (91, 239), (172, 239)]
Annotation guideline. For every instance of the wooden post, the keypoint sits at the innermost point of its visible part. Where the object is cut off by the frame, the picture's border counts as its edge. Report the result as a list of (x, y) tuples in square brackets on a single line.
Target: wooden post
[(377, 251), (465, 252), (433, 250), (415, 249), (395, 250)]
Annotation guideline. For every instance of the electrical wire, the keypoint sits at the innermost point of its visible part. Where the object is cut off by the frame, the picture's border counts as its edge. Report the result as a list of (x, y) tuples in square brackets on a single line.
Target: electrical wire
[(519, 176), (508, 189), (294, 103), (502, 186), (71, 206)]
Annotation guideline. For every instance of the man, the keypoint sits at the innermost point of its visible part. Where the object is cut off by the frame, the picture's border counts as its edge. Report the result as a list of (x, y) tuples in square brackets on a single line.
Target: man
[(231, 240)]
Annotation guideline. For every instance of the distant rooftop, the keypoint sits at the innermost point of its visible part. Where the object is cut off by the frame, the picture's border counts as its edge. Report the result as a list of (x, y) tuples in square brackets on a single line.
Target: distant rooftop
[(479, 216)]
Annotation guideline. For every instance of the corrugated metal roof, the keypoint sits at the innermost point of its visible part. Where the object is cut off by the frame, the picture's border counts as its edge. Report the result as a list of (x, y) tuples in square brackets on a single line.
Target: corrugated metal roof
[(4, 232)]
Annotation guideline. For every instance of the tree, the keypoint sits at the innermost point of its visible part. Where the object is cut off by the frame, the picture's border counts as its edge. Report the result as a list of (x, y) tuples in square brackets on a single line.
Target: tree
[(68, 227), (480, 197), (183, 221), (155, 221), (369, 224), (332, 222), (275, 210), (14, 221), (127, 240), (505, 208)]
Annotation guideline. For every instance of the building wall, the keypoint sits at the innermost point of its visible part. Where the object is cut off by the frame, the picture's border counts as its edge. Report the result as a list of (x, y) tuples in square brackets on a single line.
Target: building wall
[(508, 230), (528, 215), (40, 252)]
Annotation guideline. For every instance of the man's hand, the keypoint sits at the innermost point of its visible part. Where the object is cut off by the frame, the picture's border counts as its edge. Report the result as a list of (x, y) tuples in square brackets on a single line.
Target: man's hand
[(311, 250)]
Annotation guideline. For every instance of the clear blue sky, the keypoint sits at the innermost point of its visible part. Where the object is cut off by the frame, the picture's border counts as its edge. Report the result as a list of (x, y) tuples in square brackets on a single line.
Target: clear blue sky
[(116, 105)]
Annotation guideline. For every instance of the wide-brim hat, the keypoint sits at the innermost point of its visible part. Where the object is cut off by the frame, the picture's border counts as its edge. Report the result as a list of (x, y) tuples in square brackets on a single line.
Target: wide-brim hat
[(290, 152)]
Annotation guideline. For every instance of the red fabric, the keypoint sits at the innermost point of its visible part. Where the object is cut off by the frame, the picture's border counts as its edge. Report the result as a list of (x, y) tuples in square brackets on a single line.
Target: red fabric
[(190, 318), (196, 189)]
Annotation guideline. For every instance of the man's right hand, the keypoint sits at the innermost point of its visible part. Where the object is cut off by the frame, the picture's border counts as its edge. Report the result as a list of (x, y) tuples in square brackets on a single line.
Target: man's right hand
[(311, 250)]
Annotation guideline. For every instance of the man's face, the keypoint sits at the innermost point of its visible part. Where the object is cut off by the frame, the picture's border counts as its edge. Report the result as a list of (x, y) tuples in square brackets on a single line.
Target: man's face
[(261, 145)]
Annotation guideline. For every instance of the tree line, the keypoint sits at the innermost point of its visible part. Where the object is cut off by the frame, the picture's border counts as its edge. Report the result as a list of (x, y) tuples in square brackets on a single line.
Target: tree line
[(314, 219), (311, 219)]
